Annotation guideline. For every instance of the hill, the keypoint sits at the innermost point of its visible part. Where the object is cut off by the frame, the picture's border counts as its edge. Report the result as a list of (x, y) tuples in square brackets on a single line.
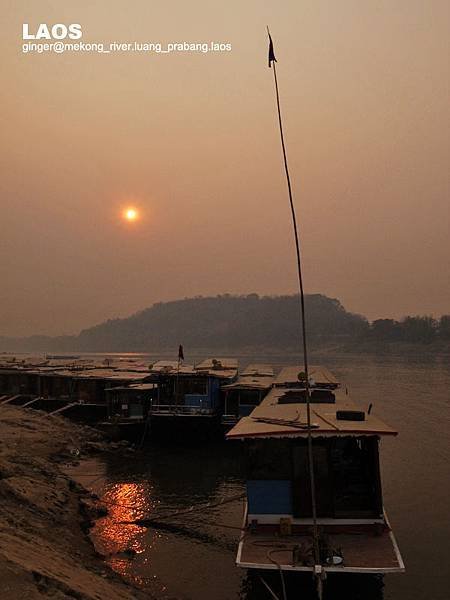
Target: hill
[(224, 321), (242, 322)]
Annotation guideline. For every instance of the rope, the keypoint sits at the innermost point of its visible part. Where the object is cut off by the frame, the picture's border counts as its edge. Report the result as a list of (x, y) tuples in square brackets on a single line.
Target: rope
[(208, 505), (275, 562), (196, 534), (319, 582), (162, 525), (269, 589), (191, 509), (146, 429)]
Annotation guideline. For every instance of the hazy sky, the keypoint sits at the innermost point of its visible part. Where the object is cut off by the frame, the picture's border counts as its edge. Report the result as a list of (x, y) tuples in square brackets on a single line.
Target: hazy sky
[(191, 140)]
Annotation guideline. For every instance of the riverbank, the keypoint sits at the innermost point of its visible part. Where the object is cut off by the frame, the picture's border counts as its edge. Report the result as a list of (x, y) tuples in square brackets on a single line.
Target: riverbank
[(44, 516)]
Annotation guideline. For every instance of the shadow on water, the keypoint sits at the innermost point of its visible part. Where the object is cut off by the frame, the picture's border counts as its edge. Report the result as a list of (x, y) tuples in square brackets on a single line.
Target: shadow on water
[(190, 469)]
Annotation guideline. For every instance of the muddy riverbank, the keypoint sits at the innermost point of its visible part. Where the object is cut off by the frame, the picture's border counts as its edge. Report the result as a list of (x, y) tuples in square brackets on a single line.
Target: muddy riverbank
[(45, 517)]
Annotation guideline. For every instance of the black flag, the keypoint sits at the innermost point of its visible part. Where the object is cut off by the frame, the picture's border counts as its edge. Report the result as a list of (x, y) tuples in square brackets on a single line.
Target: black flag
[(271, 52), (180, 353)]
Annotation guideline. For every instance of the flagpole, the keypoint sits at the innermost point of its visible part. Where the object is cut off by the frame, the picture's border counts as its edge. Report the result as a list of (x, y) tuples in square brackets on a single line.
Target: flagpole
[(272, 61), (177, 384), (180, 359), (178, 376)]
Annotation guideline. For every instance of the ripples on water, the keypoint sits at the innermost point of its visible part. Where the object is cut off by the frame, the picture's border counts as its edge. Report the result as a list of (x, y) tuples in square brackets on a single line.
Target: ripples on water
[(195, 558)]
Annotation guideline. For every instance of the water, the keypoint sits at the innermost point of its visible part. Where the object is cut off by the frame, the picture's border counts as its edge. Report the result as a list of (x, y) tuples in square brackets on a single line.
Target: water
[(197, 561)]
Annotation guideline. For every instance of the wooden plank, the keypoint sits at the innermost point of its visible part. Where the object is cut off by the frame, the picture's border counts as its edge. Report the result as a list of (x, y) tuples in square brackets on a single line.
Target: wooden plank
[(10, 399), (62, 409), (30, 402)]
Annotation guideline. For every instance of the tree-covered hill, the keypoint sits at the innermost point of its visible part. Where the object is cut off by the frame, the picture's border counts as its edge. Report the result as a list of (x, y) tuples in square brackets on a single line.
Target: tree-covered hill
[(238, 322), (224, 321)]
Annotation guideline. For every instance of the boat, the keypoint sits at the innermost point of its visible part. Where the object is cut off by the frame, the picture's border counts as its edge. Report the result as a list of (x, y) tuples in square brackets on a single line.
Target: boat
[(241, 396), (354, 534), (128, 410), (80, 389), (190, 397)]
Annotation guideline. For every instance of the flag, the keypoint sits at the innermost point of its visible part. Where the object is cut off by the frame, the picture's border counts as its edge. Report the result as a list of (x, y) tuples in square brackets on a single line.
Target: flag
[(271, 52), (180, 353)]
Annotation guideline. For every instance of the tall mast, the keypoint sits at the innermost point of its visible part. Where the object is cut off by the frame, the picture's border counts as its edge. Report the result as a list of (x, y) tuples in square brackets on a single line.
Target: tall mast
[(272, 61)]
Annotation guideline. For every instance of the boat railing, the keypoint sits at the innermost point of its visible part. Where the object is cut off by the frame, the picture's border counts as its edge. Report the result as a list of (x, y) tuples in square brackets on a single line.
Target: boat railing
[(229, 419), (178, 409)]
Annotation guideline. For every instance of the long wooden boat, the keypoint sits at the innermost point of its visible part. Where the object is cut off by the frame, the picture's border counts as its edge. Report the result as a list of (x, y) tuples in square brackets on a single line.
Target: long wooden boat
[(355, 534)]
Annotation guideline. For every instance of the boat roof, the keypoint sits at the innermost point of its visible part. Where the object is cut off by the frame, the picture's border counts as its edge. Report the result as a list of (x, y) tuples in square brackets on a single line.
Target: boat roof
[(140, 387), (110, 374), (69, 363), (274, 420), (259, 370), (112, 368), (218, 364), (255, 376), (171, 367), (223, 368), (319, 374)]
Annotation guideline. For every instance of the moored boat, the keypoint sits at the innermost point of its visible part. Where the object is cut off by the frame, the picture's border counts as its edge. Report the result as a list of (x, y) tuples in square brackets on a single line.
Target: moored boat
[(241, 396), (190, 398), (354, 532)]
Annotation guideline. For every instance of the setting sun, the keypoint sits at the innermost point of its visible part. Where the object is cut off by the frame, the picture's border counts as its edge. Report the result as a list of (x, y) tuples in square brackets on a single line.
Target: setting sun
[(130, 214)]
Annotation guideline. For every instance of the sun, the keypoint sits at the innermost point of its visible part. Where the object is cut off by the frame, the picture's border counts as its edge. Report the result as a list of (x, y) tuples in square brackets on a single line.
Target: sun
[(130, 214)]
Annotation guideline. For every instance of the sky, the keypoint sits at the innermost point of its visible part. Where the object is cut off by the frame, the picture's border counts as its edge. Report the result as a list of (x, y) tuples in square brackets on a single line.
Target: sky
[(190, 140)]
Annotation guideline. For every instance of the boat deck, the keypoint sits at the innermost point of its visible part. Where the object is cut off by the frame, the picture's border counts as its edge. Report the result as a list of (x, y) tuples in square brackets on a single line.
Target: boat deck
[(362, 552)]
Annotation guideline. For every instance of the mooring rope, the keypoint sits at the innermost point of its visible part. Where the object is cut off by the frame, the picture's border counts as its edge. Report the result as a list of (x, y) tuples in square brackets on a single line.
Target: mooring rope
[(191, 509), (268, 588), (275, 562)]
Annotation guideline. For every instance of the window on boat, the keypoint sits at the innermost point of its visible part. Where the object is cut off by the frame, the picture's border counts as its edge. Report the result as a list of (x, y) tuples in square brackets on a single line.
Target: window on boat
[(136, 411), (249, 397), (346, 474), (231, 402), (355, 470), (192, 385), (269, 459), (347, 478)]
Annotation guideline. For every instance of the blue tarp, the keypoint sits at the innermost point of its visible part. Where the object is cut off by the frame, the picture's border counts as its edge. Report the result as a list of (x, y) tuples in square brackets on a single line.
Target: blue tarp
[(269, 497)]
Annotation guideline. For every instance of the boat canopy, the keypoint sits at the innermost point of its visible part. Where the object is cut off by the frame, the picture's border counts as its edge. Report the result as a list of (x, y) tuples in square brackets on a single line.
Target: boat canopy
[(275, 417), (171, 367), (320, 375), (222, 368), (254, 377)]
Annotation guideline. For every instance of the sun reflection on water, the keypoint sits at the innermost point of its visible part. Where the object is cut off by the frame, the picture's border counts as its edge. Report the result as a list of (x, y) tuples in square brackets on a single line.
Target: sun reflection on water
[(119, 540)]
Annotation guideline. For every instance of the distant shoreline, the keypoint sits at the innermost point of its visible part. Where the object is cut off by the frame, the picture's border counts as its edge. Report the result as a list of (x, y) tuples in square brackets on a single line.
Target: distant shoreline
[(349, 347)]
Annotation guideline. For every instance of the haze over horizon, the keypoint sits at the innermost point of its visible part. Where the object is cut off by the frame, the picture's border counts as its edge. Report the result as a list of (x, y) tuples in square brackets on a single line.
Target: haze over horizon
[(191, 142)]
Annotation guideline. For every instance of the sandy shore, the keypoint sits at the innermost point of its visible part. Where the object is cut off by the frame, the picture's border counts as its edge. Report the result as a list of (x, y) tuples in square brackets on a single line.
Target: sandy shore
[(44, 546)]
